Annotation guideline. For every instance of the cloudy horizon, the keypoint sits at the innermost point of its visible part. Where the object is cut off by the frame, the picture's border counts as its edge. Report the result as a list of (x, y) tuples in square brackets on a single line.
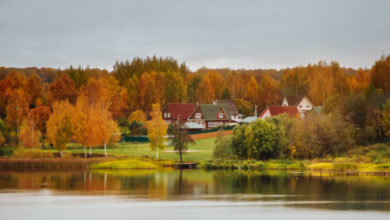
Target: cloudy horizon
[(215, 34)]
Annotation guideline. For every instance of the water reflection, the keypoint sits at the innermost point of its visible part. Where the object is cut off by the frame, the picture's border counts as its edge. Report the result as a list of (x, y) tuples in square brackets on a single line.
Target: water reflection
[(274, 188)]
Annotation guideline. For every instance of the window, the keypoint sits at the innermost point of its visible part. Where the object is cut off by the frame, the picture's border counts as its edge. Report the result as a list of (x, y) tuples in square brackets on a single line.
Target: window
[(220, 115), (169, 115), (214, 124), (198, 115), (165, 114), (300, 106), (307, 106)]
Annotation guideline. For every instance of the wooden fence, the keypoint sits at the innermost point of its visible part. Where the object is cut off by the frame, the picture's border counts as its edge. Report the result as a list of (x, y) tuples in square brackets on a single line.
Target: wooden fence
[(210, 134)]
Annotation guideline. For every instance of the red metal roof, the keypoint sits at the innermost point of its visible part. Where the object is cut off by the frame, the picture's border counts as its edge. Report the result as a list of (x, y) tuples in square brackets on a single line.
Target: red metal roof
[(292, 111), (184, 110)]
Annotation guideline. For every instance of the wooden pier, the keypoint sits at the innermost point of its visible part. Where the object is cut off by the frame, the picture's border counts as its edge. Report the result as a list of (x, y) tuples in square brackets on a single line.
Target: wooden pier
[(187, 165)]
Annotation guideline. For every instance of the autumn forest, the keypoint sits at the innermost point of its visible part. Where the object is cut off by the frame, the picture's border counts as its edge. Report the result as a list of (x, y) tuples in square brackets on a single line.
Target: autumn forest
[(95, 103)]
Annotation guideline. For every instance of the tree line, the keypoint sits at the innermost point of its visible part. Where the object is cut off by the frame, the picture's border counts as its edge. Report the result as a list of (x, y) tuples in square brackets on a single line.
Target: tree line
[(32, 98)]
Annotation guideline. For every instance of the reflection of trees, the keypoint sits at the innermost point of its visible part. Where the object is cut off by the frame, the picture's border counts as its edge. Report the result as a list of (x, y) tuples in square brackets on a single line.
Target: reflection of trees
[(165, 184), (312, 188)]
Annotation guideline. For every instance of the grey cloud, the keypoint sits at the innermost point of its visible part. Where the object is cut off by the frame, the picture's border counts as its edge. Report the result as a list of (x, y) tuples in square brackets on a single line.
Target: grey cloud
[(238, 34)]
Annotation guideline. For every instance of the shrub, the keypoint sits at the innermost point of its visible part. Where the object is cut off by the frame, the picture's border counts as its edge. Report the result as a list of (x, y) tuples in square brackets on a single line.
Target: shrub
[(224, 148), (6, 151), (319, 136), (260, 140), (374, 156), (31, 153)]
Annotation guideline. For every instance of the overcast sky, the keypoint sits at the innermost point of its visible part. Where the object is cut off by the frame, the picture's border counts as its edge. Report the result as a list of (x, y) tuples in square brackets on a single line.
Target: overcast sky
[(235, 34)]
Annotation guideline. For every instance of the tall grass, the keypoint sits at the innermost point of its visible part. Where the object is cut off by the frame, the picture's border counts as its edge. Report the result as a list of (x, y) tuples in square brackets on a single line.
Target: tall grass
[(47, 164), (253, 165)]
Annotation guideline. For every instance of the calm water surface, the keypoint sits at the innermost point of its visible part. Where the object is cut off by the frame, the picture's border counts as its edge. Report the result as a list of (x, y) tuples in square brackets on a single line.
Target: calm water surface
[(190, 194)]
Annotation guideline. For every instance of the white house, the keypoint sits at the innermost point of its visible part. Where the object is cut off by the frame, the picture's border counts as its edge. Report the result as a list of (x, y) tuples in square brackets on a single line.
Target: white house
[(303, 104)]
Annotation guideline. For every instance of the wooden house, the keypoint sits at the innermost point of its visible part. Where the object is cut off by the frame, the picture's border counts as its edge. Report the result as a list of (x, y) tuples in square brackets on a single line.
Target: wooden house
[(177, 111), (233, 110), (211, 116)]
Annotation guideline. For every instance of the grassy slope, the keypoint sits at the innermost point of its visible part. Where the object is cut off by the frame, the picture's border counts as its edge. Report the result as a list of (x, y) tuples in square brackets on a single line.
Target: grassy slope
[(204, 146)]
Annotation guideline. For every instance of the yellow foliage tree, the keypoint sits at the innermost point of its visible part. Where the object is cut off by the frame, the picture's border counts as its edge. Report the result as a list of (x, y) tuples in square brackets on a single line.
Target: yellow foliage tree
[(218, 83), (252, 92), (138, 115), (59, 127), (205, 91), (79, 121), (29, 135), (268, 90), (360, 81), (157, 130)]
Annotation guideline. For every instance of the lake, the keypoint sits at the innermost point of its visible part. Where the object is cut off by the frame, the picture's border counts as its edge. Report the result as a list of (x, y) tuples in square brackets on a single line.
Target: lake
[(190, 194)]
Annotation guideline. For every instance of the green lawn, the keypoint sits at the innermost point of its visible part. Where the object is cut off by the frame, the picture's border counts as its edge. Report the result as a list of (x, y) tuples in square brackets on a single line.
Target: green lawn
[(204, 150)]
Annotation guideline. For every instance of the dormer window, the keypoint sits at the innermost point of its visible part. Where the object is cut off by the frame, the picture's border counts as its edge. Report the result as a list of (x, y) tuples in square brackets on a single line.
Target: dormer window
[(300, 106), (220, 115), (198, 115), (307, 106)]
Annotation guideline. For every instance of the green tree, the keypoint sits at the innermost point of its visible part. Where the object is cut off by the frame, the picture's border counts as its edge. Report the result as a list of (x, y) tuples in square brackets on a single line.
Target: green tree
[(257, 141), (226, 94), (180, 137), (355, 108), (386, 117)]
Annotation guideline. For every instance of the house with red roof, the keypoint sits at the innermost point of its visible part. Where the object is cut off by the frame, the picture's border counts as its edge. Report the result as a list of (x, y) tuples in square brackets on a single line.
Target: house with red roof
[(270, 111), (177, 111), (302, 102)]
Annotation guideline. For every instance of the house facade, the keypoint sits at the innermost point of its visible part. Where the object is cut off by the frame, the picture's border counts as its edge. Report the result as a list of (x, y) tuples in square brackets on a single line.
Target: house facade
[(270, 111), (211, 116), (177, 111), (233, 110), (302, 103)]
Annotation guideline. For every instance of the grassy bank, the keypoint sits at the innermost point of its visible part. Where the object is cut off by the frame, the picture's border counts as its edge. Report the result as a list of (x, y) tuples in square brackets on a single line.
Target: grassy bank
[(133, 163), (334, 166), (200, 151), (126, 164)]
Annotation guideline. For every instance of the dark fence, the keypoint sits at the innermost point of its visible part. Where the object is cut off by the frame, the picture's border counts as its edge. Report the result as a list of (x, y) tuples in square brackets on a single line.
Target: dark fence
[(139, 139), (212, 130)]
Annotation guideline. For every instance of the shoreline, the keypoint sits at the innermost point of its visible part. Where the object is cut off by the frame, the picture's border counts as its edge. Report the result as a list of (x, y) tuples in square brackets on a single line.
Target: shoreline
[(296, 168)]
